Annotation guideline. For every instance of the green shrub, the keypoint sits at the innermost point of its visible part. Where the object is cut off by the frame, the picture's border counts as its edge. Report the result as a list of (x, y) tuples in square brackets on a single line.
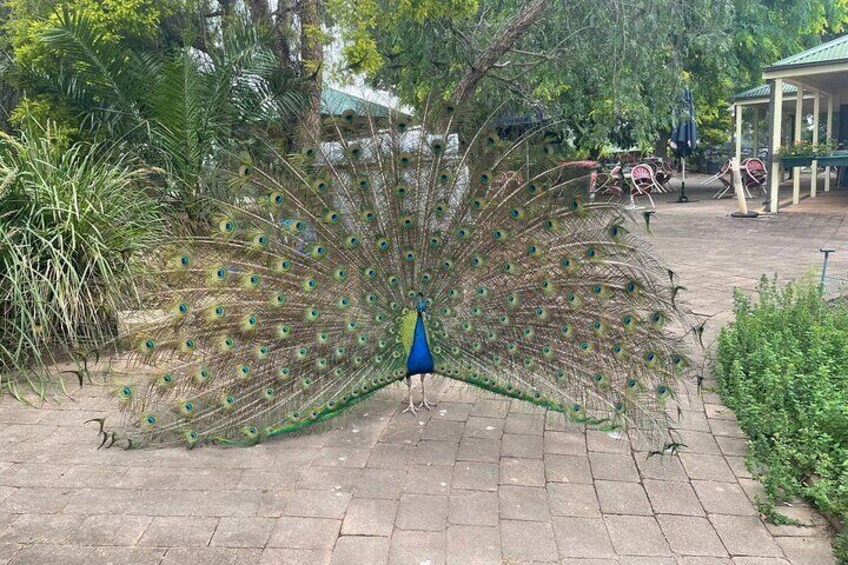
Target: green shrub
[(70, 217), (782, 366)]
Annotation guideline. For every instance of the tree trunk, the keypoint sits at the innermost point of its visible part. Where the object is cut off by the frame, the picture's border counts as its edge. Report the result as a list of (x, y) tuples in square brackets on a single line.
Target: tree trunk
[(312, 62), (506, 37), (278, 25)]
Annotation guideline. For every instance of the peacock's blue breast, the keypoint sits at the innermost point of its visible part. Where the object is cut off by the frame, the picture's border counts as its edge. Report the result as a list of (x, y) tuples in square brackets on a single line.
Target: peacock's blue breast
[(420, 359)]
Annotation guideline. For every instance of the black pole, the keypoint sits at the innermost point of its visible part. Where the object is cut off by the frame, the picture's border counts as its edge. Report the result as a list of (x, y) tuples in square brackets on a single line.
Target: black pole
[(683, 198)]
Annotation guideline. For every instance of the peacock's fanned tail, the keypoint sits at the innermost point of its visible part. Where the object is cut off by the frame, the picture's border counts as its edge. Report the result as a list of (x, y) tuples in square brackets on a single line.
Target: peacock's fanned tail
[(292, 309)]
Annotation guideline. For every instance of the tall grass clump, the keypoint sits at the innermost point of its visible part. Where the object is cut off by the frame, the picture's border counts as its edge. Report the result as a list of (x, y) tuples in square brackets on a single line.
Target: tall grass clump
[(782, 366), (71, 216)]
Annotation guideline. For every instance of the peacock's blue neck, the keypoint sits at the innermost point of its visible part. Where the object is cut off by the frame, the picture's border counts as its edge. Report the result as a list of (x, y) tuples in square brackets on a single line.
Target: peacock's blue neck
[(420, 359)]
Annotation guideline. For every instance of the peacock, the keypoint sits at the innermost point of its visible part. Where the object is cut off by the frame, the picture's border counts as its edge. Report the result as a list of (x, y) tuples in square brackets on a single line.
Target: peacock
[(398, 248)]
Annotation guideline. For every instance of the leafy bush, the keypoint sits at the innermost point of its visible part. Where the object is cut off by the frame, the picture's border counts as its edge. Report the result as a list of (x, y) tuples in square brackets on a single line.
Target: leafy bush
[(782, 366), (70, 217)]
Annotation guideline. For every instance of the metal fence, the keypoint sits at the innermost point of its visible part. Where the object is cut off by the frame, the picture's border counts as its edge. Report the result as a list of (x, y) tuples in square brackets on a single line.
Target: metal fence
[(832, 287)]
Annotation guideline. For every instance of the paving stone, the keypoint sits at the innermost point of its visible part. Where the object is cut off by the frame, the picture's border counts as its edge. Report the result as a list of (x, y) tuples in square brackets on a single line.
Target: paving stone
[(473, 508), (582, 537), (737, 465), (370, 517), (719, 412), (753, 489), (528, 541), (444, 430), (723, 498), (179, 531), (471, 475), (162, 503), (40, 528), (455, 411), (526, 472), (115, 555), (669, 497), (526, 424), (693, 420), (331, 478), (427, 479), (707, 467), (521, 446), (110, 530), (699, 442), (636, 535), (210, 556), (304, 533), (726, 428), (665, 468), (276, 556), (317, 503), (565, 443), (41, 554), (355, 550), (381, 483), (609, 442), (704, 561), (418, 547), (435, 453), (622, 498), (342, 457), (613, 467), (422, 512), (243, 532), (759, 561), (732, 446), (36, 500), (655, 561), (272, 503), (690, 535), (745, 535), (573, 500), (807, 551), (568, 469), (490, 408), (217, 503), (7, 550), (473, 545), (477, 449), (486, 428), (523, 503), (391, 456)]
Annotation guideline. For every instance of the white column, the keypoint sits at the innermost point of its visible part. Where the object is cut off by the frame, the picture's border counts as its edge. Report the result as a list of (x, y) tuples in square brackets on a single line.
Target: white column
[(814, 169), (738, 112), (796, 171), (774, 142), (829, 136)]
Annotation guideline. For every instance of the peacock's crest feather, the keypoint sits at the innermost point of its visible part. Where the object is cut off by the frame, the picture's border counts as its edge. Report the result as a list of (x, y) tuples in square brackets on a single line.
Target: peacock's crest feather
[(305, 296)]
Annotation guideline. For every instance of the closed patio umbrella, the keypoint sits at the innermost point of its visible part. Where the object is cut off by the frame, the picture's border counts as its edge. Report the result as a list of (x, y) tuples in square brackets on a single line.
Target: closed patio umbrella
[(684, 136)]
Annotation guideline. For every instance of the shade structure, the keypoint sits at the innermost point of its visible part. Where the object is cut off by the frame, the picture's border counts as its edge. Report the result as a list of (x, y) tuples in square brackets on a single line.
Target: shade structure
[(684, 136)]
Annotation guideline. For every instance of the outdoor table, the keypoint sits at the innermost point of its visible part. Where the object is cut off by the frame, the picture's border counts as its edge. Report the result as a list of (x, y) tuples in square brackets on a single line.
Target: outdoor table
[(837, 159)]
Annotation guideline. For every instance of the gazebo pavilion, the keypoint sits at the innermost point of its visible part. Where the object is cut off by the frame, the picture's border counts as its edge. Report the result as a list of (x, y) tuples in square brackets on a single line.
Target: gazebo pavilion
[(820, 75)]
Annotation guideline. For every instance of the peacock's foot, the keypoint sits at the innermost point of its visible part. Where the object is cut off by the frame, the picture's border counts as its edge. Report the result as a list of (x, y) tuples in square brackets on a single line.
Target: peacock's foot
[(410, 408), (426, 404)]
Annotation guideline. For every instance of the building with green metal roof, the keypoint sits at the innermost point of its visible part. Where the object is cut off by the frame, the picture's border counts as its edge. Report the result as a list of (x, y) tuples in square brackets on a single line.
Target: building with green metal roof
[(811, 83)]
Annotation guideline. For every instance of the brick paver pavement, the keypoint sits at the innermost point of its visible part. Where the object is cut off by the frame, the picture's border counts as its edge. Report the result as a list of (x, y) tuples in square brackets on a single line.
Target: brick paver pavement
[(480, 479)]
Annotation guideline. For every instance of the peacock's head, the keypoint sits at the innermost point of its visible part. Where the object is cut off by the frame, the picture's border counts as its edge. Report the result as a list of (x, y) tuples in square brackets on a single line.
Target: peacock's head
[(422, 303)]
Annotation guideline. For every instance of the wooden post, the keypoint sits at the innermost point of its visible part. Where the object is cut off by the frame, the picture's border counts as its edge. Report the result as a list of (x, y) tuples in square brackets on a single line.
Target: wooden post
[(829, 136), (756, 130), (738, 112), (776, 114), (796, 171), (814, 169)]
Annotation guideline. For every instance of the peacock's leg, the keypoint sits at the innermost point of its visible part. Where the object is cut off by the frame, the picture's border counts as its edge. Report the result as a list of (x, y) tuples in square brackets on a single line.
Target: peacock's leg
[(424, 402), (411, 407)]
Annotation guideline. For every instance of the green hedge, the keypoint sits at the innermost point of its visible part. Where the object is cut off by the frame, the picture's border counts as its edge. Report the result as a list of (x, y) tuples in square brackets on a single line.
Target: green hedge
[(782, 366)]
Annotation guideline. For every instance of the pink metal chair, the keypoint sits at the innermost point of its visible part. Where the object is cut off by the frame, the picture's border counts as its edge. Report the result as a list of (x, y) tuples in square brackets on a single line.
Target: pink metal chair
[(607, 183), (641, 183), (664, 175), (754, 175), (725, 175)]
